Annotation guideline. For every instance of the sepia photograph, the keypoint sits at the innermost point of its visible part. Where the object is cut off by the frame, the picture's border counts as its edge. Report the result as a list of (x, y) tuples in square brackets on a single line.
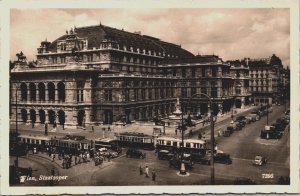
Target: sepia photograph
[(150, 97)]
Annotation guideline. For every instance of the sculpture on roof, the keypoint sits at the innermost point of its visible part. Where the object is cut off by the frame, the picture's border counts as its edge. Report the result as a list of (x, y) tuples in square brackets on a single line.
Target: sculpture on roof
[(21, 57)]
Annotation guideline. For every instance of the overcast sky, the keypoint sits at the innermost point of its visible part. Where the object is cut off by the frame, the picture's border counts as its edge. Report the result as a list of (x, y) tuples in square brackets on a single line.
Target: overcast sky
[(229, 33)]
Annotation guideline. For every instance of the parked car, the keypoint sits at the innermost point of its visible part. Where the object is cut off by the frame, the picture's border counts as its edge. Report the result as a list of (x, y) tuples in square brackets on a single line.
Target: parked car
[(256, 115), (244, 181), (165, 155), (269, 132), (200, 158), (176, 163), (251, 117), (222, 158), (259, 160), (135, 154), (243, 119)]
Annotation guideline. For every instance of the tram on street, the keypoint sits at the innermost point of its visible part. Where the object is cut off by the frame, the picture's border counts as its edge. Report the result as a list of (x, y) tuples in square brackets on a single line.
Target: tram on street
[(175, 144), (39, 142), (71, 143), (136, 140)]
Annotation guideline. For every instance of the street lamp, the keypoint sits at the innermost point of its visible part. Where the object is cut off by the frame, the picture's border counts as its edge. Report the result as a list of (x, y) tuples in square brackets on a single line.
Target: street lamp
[(182, 167), (212, 120)]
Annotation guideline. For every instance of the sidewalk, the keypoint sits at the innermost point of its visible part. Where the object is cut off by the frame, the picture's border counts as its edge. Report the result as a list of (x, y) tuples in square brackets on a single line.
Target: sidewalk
[(104, 131)]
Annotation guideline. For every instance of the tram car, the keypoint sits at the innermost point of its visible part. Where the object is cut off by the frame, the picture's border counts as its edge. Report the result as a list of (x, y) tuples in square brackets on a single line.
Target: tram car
[(39, 142), (174, 145), (71, 144), (136, 140)]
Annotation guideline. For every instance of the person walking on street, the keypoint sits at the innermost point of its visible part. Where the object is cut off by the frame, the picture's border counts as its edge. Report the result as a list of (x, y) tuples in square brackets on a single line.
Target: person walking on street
[(147, 172), (141, 170), (153, 175)]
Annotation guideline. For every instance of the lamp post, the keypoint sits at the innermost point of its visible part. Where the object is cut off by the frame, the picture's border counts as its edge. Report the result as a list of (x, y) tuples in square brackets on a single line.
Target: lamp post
[(182, 167), (212, 167), (267, 113)]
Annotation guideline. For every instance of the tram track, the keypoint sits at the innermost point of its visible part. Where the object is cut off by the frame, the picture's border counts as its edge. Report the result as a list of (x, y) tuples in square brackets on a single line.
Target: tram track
[(46, 166)]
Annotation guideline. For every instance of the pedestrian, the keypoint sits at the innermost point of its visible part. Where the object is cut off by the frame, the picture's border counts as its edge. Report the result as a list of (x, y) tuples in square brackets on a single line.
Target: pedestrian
[(75, 160), (200, 136), (141, 170), (30, 171), (92, 128), (64, 164), (176, 131), (203, 122), (147, 172), (153, 175)]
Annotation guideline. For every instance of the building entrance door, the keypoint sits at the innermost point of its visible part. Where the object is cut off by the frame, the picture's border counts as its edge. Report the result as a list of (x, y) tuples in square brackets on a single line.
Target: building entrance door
[(108, 115)]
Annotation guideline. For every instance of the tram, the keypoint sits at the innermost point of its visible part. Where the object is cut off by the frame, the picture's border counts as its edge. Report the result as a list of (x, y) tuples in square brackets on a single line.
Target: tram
[(72, 144), (175, 144), (136, 140), (39, 142)]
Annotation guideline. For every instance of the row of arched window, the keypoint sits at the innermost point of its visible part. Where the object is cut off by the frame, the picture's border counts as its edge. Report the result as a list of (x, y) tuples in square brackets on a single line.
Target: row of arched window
[(42, 92)]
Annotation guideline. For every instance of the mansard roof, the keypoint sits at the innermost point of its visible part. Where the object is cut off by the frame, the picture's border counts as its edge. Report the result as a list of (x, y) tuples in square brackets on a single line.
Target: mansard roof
[(96, 34)]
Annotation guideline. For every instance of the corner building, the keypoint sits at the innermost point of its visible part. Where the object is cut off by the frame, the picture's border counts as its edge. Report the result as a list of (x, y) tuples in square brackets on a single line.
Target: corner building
[(98, 74)]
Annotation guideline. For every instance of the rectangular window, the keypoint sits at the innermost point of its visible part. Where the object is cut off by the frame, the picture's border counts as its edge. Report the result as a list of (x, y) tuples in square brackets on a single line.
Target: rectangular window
[(175, 144), (168, 143), (203, 70), (108, 95), (183, 72), (188, 145)]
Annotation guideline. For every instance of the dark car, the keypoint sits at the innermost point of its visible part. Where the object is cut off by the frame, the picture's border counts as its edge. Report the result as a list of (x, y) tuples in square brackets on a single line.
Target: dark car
[(176, 163), (133, 153), (244, 181), (200, 158), (164, 155), (243, 119), (222, 158)]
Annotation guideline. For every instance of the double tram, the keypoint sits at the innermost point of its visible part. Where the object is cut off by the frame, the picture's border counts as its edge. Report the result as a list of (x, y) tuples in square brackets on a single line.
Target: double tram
[(68, 143), (175, 145), (136, 140)]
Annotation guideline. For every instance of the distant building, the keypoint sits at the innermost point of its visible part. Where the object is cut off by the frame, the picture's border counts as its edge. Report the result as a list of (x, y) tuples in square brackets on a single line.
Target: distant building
[(240, 72), (266, 80)]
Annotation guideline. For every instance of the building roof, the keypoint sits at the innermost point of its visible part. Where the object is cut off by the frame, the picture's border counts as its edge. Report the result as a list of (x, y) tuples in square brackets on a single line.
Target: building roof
[(96, 34), (196, 59)]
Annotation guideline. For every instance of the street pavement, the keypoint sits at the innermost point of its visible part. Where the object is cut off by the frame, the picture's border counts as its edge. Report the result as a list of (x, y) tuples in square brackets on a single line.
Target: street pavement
[(241, 145)]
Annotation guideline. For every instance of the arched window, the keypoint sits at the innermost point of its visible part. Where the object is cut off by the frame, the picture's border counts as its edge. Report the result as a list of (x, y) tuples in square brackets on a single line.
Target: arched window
[(24, 115), (51, 91), (32, 116), (61, 91), (61, 117), (23, 92), (42, 116), (51, 115), (32, 90), (41, 88)]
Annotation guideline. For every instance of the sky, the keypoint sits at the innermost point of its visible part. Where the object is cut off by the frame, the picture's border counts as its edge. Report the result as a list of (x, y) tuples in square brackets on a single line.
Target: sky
[(229, 33)]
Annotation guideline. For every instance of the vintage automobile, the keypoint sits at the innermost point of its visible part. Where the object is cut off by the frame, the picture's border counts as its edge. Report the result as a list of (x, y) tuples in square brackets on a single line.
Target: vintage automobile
[(222, 158), (270, 132), (244, 181), (133, 153), (259, 160), (176, 163), (200, 158), (243, 119), (165, 155)]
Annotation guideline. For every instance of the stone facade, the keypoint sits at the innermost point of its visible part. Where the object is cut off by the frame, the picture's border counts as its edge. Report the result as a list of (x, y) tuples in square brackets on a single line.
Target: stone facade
[(98, 74)]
